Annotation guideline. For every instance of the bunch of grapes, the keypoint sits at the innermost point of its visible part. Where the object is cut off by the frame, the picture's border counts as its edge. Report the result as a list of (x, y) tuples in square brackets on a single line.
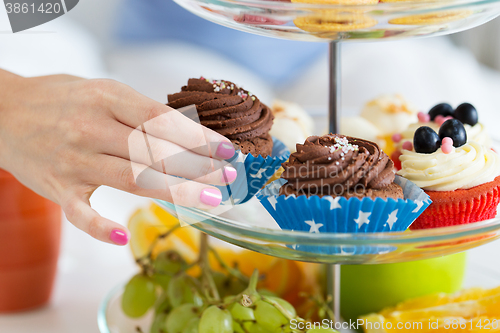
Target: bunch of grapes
[(213, 302)]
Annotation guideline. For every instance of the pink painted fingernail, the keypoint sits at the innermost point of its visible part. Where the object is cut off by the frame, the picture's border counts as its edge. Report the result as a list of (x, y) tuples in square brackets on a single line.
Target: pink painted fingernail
[(228, 175), (225, 150), (119, 237), (408, 145), (211, 197)]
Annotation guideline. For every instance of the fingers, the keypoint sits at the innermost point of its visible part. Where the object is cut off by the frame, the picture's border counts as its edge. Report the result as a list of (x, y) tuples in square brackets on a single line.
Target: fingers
[(161, 121), (82, 216), (169, 158), (145, 181)]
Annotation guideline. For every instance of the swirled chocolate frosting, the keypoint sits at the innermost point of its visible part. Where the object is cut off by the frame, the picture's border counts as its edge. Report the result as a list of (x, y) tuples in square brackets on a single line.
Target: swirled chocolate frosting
[(231, 111), (340, 166)]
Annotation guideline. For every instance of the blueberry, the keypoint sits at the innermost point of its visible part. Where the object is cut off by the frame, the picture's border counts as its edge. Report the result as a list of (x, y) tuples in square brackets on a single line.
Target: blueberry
[(443, 109), (454, 129), (425, 140), (466, 113)]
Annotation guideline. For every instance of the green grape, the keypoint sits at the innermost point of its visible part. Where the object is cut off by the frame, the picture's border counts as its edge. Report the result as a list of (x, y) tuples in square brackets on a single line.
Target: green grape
[(253, 327), (215, 320), (227, 285), (166, 265), (139, 296), (159, 324), (265, 292), (192, 326), (241, 313), (321, 330), (228, 299), (287, 306), (169, 262), (162, 280), (197, 300), (236, 286), (181, 291), (269, 317), (220, 280), (162, 304), (237, 327), (179, 317)]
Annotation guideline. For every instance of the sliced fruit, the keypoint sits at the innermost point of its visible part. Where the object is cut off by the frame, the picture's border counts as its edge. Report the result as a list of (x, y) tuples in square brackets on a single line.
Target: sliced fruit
[(146, 224), (471, 310)]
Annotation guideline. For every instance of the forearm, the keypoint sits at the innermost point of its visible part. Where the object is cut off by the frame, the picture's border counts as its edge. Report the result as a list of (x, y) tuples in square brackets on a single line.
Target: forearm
[(7, 79), (8, 83)]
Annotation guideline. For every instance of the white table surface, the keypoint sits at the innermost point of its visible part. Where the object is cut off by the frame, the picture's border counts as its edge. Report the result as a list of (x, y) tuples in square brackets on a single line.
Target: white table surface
[(89, 269)]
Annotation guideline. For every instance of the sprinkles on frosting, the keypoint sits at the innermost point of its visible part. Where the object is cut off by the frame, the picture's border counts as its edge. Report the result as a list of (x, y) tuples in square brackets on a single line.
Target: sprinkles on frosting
[(218, 84), (245, 94), (221, 85), (344, 145)]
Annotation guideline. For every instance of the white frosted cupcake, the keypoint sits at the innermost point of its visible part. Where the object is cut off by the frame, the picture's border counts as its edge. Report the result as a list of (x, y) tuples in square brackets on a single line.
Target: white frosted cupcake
[(292, 124), (465, 113), (461, 177), (390, 113)]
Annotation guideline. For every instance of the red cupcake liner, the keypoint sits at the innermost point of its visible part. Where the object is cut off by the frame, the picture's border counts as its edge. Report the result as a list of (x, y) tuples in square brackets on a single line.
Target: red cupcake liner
[(457, 207)]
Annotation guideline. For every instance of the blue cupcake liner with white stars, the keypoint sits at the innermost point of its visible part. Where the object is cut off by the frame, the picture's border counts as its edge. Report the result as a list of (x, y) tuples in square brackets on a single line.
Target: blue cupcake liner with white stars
[(340, 215), (253, 173)]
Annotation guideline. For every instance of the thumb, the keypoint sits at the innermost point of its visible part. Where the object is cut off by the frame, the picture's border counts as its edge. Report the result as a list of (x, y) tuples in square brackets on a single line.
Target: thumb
[(82, 216)]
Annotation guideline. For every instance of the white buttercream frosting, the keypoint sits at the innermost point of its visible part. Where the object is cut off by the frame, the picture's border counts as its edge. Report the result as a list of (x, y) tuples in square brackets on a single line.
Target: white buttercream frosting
[(390, 113), (465, 167)]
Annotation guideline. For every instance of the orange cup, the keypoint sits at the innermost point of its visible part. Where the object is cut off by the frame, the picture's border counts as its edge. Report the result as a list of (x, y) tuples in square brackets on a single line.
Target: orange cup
[(30, 235)]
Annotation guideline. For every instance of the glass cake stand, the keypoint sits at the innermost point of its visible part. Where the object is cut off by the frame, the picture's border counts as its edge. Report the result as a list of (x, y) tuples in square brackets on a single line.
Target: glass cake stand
[(111, 319), (250, 226), (341, 20), (334, 21)]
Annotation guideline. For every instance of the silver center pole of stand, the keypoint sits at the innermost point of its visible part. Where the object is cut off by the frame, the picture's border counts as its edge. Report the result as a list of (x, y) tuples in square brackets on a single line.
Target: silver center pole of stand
[(334, 87), (333, 276), (333, 280)]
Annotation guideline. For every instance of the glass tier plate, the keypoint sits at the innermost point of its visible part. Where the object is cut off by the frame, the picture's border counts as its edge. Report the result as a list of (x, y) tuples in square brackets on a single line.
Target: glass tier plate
[(335, 20), (111, 318), (251, 227)]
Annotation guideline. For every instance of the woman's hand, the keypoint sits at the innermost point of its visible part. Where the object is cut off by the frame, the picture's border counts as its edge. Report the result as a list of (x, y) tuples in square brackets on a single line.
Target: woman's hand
[(64, 136)]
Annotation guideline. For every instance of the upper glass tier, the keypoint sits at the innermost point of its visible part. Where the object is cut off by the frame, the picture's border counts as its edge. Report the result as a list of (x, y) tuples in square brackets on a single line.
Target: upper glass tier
[(335, 20)]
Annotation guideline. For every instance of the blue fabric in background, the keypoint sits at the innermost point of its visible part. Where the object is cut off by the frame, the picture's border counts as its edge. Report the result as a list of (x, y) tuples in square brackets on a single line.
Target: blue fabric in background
[(160, 20)]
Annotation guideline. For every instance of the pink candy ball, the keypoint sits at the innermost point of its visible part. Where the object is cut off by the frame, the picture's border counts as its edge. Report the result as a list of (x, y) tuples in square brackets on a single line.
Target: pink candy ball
[(423, 117), (447, 145), (397, 137), (440, 119), (408, 145)]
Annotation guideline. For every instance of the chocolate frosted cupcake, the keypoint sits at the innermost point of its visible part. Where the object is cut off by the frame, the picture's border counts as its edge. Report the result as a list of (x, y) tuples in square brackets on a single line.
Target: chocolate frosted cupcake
[(336, 183), (241, 117), (231, 111), (337, 165)]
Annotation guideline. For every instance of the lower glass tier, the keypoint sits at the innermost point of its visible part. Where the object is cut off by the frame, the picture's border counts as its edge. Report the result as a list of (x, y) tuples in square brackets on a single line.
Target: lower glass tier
[(251, 227), (111, 318)]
